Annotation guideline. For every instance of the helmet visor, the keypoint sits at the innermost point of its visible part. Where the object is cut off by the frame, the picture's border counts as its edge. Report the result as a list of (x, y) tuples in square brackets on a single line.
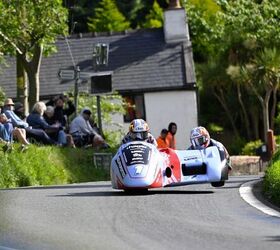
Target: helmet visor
[(139, 135), (199, 142)]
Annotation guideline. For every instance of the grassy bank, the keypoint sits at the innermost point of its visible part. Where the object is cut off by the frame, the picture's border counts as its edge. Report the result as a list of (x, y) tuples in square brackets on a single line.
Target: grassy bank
[(48, 166), (271, 185)]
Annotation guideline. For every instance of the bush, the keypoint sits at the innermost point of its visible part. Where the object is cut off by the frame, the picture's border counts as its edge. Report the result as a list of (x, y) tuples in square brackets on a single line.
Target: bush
[(251, 147), (48, 165), (271, 184)]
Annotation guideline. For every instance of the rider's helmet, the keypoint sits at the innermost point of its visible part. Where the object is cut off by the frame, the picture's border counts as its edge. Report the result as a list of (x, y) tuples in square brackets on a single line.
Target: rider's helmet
[(138, 129), (199, 138)]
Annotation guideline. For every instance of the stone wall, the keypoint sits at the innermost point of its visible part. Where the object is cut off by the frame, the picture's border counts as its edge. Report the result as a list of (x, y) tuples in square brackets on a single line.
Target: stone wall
[(243, 165)]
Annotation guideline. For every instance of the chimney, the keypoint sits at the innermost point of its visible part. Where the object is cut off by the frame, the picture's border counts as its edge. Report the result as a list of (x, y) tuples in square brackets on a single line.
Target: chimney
[(175, 23)]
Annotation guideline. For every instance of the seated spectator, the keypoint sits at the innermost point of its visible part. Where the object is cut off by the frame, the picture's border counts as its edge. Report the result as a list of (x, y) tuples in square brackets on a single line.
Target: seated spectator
[(61, 112), (36, 120), (161, 140), (83, 133), (38, 135), (11, 132), (49, 115), (19, 110)]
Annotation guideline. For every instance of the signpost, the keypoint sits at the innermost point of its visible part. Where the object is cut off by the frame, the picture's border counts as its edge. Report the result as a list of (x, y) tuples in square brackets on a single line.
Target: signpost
[(100, 57)]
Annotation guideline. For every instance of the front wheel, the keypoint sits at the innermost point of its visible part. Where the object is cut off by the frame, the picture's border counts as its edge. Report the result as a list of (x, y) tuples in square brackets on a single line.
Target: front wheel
[(218, 184)]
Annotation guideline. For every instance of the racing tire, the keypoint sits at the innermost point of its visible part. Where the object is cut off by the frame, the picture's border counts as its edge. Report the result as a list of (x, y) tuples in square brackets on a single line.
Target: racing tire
[(218, 184)]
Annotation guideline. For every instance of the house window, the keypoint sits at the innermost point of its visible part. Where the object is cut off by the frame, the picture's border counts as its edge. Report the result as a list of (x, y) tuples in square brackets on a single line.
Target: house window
[(135, 107)]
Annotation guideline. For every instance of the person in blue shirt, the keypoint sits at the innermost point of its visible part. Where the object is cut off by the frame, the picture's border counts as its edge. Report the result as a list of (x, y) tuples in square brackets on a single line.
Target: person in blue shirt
[(37, 121), (38, 135)]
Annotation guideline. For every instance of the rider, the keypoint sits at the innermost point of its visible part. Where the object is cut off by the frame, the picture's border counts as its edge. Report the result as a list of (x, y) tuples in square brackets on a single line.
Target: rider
[(200, 139), (139, 131)]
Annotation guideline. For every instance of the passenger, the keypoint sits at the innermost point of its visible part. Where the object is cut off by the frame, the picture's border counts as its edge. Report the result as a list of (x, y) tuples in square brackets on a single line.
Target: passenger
[(170, 139), (139, 131), (161, 140), (83, 133), (200, 139)]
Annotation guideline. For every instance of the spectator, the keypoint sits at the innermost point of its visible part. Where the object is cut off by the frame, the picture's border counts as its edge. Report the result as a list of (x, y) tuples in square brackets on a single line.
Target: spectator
[(139, 131), (161, 140), (62, 113), (19, 110), (38, 135), (83, 133), (11, 132), (49, 115), (36, 120), (200, 139), (170, 138)]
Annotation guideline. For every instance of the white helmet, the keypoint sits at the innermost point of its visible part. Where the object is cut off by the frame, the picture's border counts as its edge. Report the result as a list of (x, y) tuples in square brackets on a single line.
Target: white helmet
[(138, 129), (199, 137)]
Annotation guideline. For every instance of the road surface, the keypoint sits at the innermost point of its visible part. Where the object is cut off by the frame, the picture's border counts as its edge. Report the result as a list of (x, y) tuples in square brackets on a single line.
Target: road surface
[(94, 216)]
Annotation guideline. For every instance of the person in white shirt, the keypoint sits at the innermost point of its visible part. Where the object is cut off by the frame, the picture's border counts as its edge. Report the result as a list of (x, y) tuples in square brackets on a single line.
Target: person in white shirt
[(83, 133)]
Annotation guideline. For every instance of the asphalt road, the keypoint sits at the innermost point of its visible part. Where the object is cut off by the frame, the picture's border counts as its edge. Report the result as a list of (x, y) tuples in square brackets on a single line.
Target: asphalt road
[(93, 216)]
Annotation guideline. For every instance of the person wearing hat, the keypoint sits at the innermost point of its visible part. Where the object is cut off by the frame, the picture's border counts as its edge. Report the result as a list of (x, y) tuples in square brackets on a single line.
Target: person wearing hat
[(37, 134), (82, 132), (9, 108)]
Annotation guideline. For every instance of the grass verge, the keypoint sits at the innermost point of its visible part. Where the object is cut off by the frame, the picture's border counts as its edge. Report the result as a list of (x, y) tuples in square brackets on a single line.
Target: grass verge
[(271, 184), (48, 165)]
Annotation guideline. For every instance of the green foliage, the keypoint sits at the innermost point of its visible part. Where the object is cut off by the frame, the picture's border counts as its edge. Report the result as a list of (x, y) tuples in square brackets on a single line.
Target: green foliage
[(250, 147), (271, 183), (2, 96), (107, 17), (26, 23), (206, 27), (110, 105), (249, 20), (48, 166), (155, 17), (235, 147)]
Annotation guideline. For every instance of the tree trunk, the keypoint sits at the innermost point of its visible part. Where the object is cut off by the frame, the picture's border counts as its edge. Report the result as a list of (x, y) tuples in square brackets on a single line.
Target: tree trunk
[(246, 119), (222, 101), (265, 111), (273, 109), (32, 68), (21, 84)]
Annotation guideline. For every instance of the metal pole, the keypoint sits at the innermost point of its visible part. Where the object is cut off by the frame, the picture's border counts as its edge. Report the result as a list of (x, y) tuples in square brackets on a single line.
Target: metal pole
[(76, 89), (99, 114)]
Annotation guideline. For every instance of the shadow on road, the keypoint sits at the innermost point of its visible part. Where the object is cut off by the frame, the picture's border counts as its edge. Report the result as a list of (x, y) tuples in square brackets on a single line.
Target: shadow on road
[(68, 186), (131, 193), (273, 238)]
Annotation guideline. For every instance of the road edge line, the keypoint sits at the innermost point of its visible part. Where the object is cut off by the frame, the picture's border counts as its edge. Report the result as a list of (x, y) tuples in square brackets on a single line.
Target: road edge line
[(246, 193)]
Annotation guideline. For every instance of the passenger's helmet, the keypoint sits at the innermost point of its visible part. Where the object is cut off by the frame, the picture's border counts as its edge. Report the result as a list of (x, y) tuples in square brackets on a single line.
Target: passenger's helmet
[(199, 138), (138, 129)]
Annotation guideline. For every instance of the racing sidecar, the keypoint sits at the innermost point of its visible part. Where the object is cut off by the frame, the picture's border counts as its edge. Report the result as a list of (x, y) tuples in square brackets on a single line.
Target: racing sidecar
[(140, 165)]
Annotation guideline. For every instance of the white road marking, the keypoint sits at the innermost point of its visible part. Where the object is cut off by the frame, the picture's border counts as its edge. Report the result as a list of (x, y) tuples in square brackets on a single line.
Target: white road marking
[(247, 194)]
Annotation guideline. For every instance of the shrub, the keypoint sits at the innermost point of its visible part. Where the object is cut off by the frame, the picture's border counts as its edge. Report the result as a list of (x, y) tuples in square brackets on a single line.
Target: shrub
[(271, 184), (251, 147), (48, 165)]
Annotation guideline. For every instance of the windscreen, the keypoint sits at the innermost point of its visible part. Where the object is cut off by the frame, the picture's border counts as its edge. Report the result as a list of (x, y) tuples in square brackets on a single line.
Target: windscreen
[(136, 154)]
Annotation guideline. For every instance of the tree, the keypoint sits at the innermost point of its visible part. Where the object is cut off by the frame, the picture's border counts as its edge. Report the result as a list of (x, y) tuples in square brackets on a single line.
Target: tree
[(252, 30), (107, 17), (263, 77), (206, 27), (28, 28), (155, 17)]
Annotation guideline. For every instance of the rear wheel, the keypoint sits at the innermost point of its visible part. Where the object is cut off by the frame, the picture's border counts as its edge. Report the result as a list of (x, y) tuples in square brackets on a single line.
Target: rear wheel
[(218, 184)]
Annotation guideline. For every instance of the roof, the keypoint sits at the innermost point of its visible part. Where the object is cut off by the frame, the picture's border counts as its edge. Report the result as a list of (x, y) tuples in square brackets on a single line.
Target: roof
[(140, 61)]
